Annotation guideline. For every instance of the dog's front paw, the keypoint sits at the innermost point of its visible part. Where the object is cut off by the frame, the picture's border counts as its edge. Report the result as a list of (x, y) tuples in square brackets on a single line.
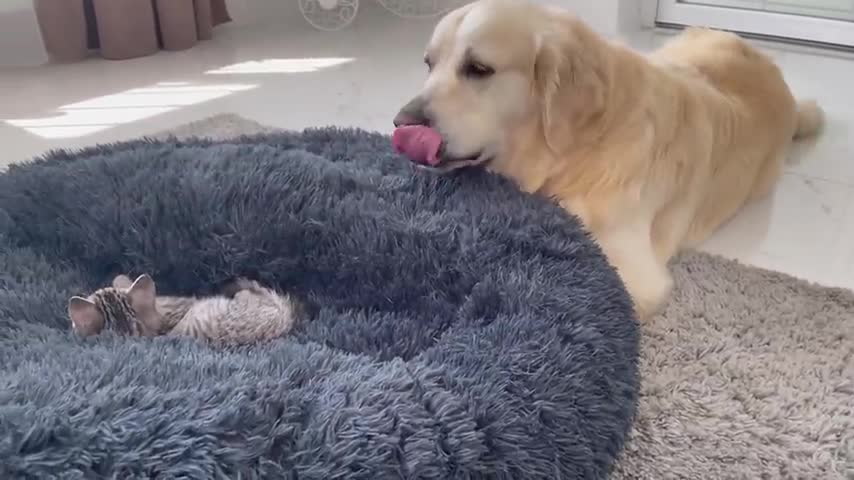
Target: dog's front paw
[(650, 293)]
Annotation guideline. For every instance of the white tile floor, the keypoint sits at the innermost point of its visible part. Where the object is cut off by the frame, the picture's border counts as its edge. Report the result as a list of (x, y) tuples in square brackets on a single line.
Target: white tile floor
[(288, 75)]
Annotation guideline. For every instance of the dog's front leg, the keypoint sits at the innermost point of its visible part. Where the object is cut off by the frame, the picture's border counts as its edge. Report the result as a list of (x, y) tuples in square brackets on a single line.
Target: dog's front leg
[(628, 246)]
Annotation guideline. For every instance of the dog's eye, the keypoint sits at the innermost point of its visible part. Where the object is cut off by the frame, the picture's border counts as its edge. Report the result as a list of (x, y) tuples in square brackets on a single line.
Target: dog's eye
[(477, 70), (428, 63)]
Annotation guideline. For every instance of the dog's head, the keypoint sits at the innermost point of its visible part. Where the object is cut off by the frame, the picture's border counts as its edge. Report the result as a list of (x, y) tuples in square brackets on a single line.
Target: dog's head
[(497, 68)]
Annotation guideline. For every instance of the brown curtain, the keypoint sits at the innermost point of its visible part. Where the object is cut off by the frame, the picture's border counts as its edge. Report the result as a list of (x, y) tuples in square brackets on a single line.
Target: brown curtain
[(122, 29)]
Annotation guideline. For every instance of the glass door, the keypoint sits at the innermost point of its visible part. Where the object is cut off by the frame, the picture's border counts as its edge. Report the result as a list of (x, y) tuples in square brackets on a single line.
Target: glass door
[(824, 21)]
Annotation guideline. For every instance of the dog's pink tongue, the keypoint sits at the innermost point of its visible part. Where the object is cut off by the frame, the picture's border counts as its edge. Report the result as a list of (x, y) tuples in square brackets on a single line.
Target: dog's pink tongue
[(421, 144)]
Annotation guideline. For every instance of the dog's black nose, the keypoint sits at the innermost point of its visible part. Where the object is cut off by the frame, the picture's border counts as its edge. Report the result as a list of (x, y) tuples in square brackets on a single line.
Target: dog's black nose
[(413, 113)]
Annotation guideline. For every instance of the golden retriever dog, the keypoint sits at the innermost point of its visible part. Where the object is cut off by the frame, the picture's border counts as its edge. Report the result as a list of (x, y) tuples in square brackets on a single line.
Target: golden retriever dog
[(651, 152)]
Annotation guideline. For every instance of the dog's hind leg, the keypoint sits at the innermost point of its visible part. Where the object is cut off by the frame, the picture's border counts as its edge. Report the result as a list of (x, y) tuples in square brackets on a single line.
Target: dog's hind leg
[(810, 121), (767, 176)]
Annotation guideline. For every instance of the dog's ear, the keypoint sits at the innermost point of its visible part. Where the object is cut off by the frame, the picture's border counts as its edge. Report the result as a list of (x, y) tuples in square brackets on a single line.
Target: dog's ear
[(569, 86)]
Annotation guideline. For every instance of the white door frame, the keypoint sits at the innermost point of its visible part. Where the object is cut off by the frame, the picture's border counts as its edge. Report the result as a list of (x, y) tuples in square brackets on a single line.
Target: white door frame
[(797, 27)]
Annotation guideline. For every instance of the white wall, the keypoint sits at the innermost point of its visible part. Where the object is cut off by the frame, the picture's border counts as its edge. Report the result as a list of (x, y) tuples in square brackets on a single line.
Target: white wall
[(610, 17), (20, 40), (248, 12), (9, 5)]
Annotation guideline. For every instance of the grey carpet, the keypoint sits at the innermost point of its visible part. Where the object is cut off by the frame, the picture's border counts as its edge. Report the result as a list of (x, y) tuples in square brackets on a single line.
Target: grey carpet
[(460, 329), (747, 374)]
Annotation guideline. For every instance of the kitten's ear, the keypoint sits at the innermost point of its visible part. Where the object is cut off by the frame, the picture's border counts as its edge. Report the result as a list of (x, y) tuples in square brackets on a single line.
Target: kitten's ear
[(142, 294), (84, 315), (122, 281)]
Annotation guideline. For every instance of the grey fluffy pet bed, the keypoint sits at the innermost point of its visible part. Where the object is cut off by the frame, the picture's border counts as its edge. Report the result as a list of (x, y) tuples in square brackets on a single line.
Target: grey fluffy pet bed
[(460, 329)]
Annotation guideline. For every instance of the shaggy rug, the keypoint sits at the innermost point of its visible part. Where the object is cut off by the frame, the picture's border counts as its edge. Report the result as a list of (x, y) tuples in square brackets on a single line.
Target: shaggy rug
[(747, 374), (460, 328)]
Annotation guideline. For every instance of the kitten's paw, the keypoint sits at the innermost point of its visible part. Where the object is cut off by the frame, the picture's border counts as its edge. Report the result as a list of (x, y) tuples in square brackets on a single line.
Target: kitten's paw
[(238, 285)]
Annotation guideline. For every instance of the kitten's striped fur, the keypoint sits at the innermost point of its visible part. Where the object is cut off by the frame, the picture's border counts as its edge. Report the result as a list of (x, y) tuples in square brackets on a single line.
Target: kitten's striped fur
[(246, 313), (117, 314)]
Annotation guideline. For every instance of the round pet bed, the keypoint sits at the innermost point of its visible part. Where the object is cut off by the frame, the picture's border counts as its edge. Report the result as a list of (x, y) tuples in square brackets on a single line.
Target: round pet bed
[(459, 329)]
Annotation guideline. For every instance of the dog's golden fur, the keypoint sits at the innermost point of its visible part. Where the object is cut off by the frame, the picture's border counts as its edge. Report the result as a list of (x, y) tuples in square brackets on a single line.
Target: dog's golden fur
[(652, 153)]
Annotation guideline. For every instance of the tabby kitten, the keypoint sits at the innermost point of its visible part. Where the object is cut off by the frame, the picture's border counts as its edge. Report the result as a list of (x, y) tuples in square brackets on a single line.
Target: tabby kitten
[(246, 313)]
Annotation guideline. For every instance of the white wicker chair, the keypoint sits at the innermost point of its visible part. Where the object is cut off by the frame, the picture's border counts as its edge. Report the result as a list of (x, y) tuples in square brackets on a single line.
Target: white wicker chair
[(337, 14)]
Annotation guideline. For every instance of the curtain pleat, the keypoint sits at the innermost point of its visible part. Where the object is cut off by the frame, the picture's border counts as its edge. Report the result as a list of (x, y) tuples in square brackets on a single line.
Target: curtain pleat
[(70, 28)]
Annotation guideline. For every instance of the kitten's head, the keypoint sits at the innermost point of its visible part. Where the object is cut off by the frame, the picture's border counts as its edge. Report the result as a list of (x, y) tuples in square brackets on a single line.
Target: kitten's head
[(127, 308)]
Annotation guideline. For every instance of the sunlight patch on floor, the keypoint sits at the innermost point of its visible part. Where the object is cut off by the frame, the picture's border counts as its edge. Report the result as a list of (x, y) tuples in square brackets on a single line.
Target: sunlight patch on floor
[(101, 113), (281, 65)]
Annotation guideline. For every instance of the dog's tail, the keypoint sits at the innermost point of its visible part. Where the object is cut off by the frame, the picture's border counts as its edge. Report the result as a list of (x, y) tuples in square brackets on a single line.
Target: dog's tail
[(810, 119)]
